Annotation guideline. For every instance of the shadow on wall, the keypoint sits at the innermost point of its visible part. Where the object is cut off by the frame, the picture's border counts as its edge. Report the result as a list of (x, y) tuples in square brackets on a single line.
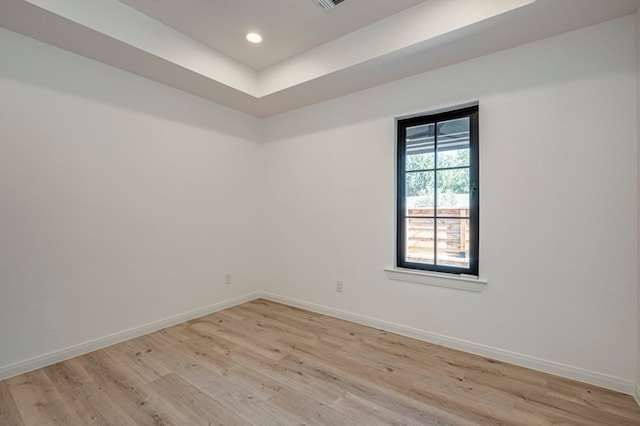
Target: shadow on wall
[(37, 64), (540, 64)]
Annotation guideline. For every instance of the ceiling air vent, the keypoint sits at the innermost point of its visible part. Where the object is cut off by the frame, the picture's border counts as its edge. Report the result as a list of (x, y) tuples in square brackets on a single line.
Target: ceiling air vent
[(328, 4)]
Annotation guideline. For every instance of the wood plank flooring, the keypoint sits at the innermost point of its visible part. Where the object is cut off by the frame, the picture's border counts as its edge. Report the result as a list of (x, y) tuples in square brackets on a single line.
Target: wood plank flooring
[(264, 363)]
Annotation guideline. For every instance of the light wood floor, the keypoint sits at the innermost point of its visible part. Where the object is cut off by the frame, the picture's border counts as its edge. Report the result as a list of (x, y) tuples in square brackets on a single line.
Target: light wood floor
[(264, 363)]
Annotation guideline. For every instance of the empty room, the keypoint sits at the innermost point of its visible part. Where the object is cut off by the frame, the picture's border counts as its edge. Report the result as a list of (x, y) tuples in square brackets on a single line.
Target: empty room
[(331, 212)]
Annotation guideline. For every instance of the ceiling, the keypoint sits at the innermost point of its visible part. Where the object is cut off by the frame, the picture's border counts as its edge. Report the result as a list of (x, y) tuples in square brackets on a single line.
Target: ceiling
[(308, 55), (289, 27)]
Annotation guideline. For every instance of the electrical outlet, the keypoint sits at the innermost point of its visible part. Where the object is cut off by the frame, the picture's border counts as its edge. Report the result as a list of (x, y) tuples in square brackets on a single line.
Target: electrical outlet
[(227, 279), (339, 286)]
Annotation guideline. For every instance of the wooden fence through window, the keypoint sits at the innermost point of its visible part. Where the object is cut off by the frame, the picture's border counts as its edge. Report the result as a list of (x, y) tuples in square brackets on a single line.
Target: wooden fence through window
[(452, 234)]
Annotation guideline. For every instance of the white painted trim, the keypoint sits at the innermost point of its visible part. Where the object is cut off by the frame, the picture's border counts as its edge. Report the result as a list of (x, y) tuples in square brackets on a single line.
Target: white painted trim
[(592, 377), (102, 342), (579, 374), (459, 282)]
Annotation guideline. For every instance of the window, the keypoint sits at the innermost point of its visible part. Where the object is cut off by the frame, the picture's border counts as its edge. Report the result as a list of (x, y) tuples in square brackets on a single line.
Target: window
[(438, 192)]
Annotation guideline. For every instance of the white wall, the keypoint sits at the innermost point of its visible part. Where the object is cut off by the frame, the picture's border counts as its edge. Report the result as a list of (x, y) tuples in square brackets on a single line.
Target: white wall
[(558, 215), (637, 388), (122, 201)]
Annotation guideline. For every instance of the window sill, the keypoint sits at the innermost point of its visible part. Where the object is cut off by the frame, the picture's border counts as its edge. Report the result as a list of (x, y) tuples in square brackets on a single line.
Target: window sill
[(459, 282)]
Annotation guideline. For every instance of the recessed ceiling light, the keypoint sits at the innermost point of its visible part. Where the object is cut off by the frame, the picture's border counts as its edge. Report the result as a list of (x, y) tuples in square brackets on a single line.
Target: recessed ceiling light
[(254, 37)]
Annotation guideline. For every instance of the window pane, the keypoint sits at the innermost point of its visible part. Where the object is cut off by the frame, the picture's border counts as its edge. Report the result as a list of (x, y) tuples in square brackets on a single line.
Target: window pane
[(420, 189), (453, 143), (423, 161), (453, 158), (453, 242), (437, 218), (419, 147), (420, 243), (453, 192)]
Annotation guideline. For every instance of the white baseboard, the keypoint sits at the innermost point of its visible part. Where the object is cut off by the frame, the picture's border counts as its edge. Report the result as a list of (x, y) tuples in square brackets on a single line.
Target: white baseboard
[(598, 379), (102, 342), (603, 380)]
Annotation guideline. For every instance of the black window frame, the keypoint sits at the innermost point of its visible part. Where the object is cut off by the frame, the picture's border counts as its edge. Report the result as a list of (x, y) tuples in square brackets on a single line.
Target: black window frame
[(474, 201)]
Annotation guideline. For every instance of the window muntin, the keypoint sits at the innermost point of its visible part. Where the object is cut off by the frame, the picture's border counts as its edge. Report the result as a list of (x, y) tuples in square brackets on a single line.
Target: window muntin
[(438, 199)]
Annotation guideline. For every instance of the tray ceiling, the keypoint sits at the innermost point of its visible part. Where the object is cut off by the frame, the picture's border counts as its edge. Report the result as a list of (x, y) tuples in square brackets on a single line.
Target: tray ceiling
[(309, 54)]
